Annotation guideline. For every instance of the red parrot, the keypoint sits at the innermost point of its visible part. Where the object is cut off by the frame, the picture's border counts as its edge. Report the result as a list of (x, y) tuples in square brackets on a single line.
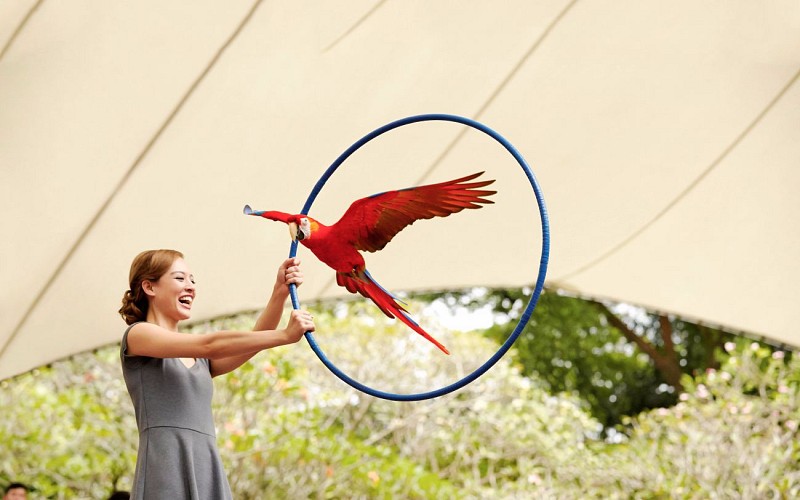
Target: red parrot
[(369, 224)]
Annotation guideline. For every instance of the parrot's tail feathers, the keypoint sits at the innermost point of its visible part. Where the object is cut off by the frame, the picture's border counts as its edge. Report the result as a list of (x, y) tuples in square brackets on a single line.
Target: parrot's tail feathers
[(363, 283), (405, 318), (387, 292), (385, 300)]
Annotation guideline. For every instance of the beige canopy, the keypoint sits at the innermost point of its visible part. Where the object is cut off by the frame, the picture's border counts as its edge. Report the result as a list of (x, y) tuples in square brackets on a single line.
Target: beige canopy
[(665, 136)]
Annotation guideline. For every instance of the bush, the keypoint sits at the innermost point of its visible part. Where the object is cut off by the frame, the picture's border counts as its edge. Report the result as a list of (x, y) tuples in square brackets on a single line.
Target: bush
[(732, 435), (287, 428), (294, 429)]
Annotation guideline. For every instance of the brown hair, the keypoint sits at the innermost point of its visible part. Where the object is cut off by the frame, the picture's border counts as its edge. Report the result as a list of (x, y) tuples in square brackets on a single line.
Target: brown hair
[(149, 265)]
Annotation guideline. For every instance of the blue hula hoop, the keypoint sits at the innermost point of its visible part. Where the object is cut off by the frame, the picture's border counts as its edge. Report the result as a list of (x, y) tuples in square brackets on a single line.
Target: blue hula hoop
[(531, 303)]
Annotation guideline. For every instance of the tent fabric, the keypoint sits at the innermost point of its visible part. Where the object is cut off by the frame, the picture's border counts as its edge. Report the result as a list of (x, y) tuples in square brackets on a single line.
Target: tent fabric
[(665, 136)]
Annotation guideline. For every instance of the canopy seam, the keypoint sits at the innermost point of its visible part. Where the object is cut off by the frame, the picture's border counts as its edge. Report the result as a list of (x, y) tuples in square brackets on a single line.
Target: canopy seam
[(148, 147), (489, 101), (21, 26), (355, 26), (689, 188)]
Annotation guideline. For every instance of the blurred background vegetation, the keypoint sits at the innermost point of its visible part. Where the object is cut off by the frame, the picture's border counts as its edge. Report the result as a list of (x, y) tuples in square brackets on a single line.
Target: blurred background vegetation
[(595, 400)]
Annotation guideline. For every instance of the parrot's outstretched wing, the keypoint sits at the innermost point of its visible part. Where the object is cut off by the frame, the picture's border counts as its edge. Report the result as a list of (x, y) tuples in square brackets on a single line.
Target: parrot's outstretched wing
[(370, 223), (361, 281)]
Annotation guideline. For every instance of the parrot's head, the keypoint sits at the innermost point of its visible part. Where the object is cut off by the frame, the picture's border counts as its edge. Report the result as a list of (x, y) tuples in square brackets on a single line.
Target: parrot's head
[(301, 226)]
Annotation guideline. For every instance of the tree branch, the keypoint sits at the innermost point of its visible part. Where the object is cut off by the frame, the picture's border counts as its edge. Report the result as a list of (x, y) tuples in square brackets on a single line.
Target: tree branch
[(667, 363), (666, 335), (645, 346)]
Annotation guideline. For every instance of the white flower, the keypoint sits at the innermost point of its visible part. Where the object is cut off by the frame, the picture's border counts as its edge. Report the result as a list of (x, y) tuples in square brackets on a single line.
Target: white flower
[(534, 479)]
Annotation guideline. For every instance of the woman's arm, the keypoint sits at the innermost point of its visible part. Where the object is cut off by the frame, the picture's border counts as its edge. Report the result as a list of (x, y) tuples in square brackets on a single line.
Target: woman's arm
[(147, 339), (288, 272)]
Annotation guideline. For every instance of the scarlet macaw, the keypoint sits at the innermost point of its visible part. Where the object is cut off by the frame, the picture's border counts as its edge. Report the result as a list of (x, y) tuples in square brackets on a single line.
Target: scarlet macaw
[(369, 224)]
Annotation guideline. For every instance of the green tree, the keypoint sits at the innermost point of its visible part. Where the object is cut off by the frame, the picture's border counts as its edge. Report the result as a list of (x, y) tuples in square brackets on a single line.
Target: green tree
[(620, 359)]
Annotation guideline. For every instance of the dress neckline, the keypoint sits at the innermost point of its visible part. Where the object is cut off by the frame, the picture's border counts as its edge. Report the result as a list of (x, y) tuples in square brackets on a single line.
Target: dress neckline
[(188, 367)]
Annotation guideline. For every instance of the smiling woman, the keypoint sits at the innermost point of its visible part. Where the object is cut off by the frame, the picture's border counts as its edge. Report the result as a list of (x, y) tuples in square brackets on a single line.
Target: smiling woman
[(168, 374)]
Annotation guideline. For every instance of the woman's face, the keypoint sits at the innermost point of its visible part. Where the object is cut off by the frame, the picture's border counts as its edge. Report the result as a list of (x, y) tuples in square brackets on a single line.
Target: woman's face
[(174, 292)]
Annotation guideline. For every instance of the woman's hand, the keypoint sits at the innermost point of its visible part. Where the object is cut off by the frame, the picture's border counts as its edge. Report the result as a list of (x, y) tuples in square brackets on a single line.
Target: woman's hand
[(289, 272), (300, 322)]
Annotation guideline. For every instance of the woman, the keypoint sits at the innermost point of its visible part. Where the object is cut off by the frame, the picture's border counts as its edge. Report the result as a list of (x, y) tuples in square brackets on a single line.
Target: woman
[(168, 374)]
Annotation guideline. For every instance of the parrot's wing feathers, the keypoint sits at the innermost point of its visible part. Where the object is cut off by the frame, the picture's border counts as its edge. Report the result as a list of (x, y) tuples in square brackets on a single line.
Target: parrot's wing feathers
[(370, 223)]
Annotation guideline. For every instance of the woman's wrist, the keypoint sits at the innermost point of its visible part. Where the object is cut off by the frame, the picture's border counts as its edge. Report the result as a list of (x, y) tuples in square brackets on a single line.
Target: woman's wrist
[(278, 297), (281, 288), (279, 337)]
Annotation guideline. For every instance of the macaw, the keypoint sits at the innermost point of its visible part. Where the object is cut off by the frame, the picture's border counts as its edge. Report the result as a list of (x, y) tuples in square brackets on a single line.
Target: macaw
[(369, 224)]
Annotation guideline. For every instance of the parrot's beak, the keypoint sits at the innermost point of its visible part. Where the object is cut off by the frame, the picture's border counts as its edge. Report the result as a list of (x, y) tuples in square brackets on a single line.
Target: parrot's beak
[(293, 230)]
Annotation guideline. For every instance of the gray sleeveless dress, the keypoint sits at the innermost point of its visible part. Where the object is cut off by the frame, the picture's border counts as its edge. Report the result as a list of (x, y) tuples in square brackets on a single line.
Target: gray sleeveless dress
[(178, 457)]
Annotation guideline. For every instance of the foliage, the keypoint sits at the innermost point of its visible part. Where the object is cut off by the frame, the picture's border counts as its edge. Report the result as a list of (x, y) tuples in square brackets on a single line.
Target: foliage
[(572, 346), (732, 435), (287, 428), (567, 344), (500, 432), (67, 429)]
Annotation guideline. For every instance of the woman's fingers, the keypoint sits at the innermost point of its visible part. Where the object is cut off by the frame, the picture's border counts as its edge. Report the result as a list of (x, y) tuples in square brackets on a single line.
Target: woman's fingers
[(307, 320), (293, 275), (300, 322)]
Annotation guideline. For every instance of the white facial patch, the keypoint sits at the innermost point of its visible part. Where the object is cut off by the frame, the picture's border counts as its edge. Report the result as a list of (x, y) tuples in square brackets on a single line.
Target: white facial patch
[(305, 227)]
